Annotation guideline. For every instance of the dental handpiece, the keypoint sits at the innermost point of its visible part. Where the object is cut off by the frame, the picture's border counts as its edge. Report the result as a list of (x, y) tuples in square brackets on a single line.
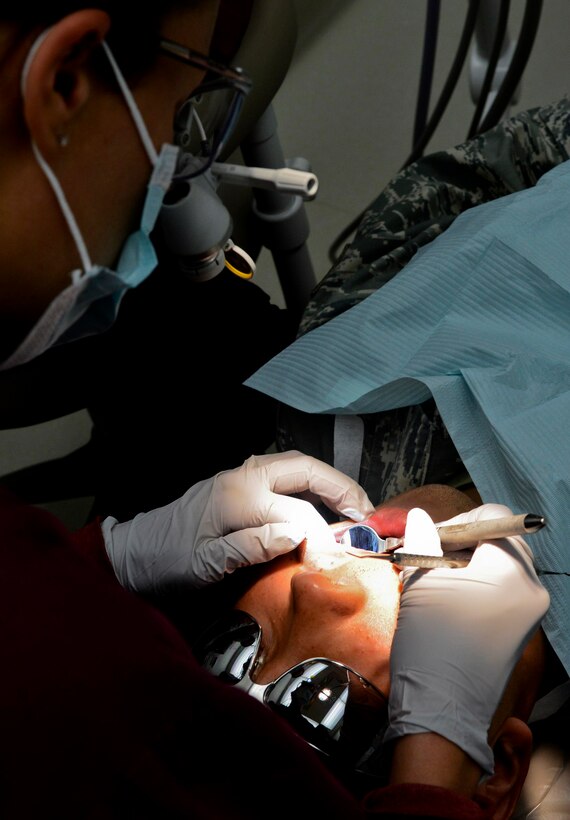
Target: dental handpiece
[(490, 528), (363, 541), (467, 534)]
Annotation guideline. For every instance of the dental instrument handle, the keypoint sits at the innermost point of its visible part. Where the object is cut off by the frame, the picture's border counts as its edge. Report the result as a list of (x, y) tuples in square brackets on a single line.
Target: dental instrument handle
[(490, 529), (459, 558)]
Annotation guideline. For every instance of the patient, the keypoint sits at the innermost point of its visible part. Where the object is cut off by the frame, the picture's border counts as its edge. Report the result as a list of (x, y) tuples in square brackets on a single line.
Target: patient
[(315, 605), (450, 338)]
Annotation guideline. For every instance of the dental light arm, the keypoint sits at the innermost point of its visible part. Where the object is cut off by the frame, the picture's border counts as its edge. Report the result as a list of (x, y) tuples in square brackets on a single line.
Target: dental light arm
[(196, 225)]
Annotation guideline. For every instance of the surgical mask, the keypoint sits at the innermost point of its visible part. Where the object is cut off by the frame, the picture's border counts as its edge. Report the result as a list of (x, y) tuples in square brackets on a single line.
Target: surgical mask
[(91, 302)]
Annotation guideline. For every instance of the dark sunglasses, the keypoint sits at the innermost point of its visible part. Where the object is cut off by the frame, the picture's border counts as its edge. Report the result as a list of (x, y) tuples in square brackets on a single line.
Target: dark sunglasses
[(333, 708)]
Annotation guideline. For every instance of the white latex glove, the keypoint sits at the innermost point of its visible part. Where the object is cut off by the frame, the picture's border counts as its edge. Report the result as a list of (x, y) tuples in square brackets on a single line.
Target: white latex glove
[(238, 517), (459, 635)]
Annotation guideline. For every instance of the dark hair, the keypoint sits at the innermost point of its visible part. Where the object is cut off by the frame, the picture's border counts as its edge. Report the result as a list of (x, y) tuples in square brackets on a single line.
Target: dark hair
[(134, 33)]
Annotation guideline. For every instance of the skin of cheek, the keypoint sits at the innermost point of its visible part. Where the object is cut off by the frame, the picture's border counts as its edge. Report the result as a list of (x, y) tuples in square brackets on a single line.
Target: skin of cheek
[(377, 581), (170, 84)]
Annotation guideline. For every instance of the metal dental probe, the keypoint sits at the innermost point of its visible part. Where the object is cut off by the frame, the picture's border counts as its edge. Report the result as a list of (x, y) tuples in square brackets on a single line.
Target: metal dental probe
[(459, 558)]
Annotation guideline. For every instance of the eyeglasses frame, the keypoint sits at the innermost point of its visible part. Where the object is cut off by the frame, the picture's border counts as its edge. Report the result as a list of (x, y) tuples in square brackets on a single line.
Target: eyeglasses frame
[(234, 76), (224, 76)]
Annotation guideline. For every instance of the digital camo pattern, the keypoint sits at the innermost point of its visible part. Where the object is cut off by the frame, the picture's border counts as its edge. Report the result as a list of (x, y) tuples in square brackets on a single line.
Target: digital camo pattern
[(422, 201), (410, 447), (403, 448)]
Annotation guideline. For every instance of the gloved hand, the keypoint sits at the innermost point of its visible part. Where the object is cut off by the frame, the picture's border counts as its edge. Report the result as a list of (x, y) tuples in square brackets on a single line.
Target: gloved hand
[(238, 517), (459, 635)]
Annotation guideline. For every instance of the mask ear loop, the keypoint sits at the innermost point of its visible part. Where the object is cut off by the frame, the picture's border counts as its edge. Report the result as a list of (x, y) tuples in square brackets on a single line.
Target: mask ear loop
[(132, 106), (52, 179)]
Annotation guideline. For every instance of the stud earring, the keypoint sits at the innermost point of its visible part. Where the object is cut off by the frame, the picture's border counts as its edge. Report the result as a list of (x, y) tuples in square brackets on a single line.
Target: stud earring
[(63, 140)]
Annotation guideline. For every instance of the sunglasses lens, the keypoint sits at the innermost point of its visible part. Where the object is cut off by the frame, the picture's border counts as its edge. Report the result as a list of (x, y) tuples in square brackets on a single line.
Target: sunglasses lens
[(228, 650), (332, 708)]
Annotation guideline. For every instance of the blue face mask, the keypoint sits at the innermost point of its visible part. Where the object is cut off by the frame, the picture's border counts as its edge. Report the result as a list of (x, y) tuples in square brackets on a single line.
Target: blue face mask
[(91, 302)]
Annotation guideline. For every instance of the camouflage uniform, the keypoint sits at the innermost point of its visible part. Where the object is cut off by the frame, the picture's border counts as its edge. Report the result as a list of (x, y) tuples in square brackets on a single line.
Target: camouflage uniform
[(408, 447)]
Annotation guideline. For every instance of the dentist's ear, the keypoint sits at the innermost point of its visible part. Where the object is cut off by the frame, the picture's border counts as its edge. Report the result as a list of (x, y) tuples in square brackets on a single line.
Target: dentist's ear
[(499, 793), (55, 80)]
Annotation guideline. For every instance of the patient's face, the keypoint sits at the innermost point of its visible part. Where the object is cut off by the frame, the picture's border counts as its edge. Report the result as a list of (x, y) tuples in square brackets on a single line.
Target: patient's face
[(333, 605)]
